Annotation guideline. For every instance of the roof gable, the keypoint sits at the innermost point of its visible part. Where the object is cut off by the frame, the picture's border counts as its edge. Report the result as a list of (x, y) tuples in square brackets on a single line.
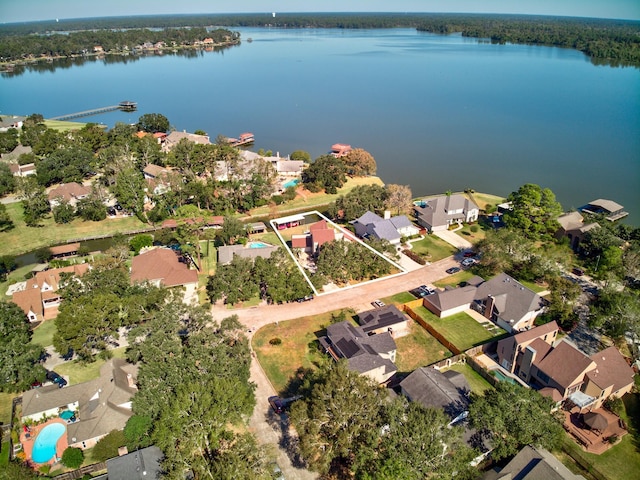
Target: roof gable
[(162, 264), (611, 370)]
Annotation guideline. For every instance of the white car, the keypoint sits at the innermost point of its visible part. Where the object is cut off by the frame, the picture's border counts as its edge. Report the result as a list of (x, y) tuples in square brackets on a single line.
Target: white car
[(467, 262)]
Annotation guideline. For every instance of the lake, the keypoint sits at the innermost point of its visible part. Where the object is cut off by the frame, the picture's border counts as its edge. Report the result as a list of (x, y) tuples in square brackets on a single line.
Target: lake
[(437, 112)]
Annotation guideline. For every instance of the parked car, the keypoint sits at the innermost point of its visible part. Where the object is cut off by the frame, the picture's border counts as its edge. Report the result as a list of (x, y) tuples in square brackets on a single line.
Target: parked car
[(452, 270), (55, 378), (467, 262), (279, 405), (377, 303), (577, 271), (468, 253)]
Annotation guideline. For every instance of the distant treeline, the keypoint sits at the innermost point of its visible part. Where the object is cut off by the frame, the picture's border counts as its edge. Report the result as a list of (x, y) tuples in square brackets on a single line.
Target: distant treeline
[(13, 48), (616, 40)]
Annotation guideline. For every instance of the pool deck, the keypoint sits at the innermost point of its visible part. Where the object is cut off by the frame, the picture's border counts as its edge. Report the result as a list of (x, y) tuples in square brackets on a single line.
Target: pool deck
[(27, 443)]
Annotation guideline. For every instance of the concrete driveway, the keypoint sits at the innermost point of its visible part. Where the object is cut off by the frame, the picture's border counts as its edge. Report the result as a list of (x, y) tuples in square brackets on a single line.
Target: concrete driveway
[(452, 238)]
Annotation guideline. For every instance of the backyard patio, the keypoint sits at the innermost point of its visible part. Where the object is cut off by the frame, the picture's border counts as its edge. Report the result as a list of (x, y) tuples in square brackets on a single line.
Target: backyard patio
[(593, 430)]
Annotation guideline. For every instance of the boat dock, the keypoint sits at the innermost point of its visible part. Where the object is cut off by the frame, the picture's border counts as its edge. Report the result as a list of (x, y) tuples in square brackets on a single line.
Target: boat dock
[(125, 106)]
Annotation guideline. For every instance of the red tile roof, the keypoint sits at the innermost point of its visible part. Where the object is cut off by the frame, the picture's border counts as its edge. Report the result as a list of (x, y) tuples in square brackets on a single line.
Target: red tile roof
[(162, 264)]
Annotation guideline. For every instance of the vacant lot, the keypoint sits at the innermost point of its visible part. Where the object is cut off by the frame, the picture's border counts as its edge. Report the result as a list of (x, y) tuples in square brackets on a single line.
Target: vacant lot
[(22, 239), (460, 329), (418, 349), (476, 382), (432, 248), (298, 348)]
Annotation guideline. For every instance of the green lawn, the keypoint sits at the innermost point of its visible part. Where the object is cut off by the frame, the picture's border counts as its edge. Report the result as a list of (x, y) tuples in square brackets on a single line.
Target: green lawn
[(484, 199), (18, 275), (21, 238), (5, 406), (460, 329), (63, 126), (455, 279), (432, 248), (4, 454), (473, 237), (533, 286), (299, 347), (398, 298), (312, 200), (43, 333), (418, 349), (476, 382), (83, 372)]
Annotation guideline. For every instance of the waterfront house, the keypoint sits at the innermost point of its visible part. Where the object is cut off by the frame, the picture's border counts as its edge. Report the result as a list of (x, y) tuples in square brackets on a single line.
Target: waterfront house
[(319, 233), (100, 405), (8, 122), (611, 210), (573, 227), (513, 349), (340, 149), (173, 138), (165, 267), (371, 355), (388, 228), (70, 193), (227, 252), (441, 212), (38, 298)]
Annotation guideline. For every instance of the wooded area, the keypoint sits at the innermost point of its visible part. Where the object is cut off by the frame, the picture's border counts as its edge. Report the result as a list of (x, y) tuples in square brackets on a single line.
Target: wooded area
[(617, 41)]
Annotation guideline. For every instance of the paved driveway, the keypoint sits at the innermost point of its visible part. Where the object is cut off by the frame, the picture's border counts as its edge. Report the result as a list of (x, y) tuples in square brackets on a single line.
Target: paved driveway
[(452, 238)]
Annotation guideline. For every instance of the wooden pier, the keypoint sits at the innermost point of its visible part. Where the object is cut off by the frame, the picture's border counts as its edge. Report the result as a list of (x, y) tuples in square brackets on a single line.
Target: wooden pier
[(125, 106)]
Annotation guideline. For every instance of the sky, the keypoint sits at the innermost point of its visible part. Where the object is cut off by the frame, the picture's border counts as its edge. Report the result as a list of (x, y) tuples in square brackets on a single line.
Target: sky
[(31, 10)]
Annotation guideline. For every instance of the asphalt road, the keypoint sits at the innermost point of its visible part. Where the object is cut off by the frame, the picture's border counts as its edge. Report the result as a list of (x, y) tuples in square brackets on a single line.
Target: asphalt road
[(271, 429)]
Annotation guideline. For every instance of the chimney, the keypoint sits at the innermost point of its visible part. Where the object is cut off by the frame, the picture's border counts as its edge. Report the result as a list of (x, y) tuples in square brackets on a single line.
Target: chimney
[(488, 308), (387, 214), (130, 381)]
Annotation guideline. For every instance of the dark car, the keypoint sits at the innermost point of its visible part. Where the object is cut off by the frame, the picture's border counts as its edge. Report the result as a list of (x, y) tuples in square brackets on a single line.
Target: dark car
[(468, 253), (452, 270), (55, 378), (277, 404)]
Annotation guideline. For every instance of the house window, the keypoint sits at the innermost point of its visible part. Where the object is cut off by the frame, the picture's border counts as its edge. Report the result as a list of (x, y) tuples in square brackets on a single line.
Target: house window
[(543, 377)]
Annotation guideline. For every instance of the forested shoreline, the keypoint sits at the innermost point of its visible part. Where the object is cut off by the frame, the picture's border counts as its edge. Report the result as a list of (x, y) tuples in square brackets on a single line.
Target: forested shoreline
[(615, 41)]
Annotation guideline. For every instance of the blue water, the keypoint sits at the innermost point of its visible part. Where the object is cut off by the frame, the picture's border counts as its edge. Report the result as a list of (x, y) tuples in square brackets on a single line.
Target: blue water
[(502, 377), (258, 245), (44, 447), (437, 112), (291, 183)]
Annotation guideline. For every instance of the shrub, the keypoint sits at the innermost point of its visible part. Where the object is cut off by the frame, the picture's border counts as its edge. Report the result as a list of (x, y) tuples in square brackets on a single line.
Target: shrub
[(275, 341), (108, 446), (415, 257), (72, 457), (140, 241), (474, 228)]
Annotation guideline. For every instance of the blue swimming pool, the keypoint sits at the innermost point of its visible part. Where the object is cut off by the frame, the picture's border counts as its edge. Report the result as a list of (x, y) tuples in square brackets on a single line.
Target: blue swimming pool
[(502, 377), (291, 183), (258, 245), (44, 448)]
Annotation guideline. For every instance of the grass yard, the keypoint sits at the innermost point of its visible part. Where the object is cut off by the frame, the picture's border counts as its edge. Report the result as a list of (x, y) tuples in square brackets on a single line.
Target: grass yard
[(473, 237), (299, 347), (5, 406), (418, 349), (533, 286), (476, 382), (43, 333), (484, 199), (398, 298), (21, 238), (63, 126), (308, 200), (18, 275), (79, 372), (460, 329), (455, 279), (208, 257), (432, 248)]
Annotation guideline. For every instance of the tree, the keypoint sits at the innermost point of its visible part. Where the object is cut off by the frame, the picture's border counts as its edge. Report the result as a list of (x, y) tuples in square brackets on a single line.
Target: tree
[(617, 313), (234, 282), (129, 189), (534, 211), (107, 447), (8, 140), (92, 207), (70, 164), (561, 302), (137, 432), (337, 419), (19, 359), (7, 265), (7, 180), (72, 457), (63, 212), (140, 241), (327, 172), (300, 155), (232, 229), (512, 417), (359, 163), (35, 203), (358, 201), (6, 223), (153, 123), (399, 198)]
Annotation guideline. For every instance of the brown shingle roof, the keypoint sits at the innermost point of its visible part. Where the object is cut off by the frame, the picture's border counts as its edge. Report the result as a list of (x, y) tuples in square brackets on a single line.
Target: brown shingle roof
[(67, 191), (565, 364), (162, 264), (64, 249), (611, 369), (537, 332), (29, 299)]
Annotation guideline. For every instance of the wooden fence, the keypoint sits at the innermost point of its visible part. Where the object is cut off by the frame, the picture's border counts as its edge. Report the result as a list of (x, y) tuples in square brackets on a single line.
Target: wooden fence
[(408, 309), (81, 472)]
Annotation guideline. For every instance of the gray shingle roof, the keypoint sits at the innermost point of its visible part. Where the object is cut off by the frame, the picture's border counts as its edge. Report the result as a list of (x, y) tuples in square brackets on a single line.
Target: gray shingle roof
[(380, 317), (138, 465), (433, 389)]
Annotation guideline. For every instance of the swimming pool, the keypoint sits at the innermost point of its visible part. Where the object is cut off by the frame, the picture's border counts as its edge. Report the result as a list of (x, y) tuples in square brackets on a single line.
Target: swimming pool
[(291, 183), (502, 377), (258, 245), (44, 448)]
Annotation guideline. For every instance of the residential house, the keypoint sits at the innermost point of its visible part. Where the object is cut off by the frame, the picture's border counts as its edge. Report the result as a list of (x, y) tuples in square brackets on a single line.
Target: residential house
[(100, 405), (532, 463), (69, 193), (385, 319), (157, 179), (22, 170), (164, 267), (8, 122), (512, 350), (319, 233), (340, 149), (14, 155), (143, 464), (173, 138), (227, 252), (439, 213), (388, 228), (613, 211), (282, 166), (39, 299), (371, 355), (434, 389), (573, 227), (503, 300)]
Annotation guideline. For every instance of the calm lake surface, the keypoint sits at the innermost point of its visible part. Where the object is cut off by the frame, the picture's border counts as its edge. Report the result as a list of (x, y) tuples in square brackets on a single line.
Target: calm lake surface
[(437, 112)]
